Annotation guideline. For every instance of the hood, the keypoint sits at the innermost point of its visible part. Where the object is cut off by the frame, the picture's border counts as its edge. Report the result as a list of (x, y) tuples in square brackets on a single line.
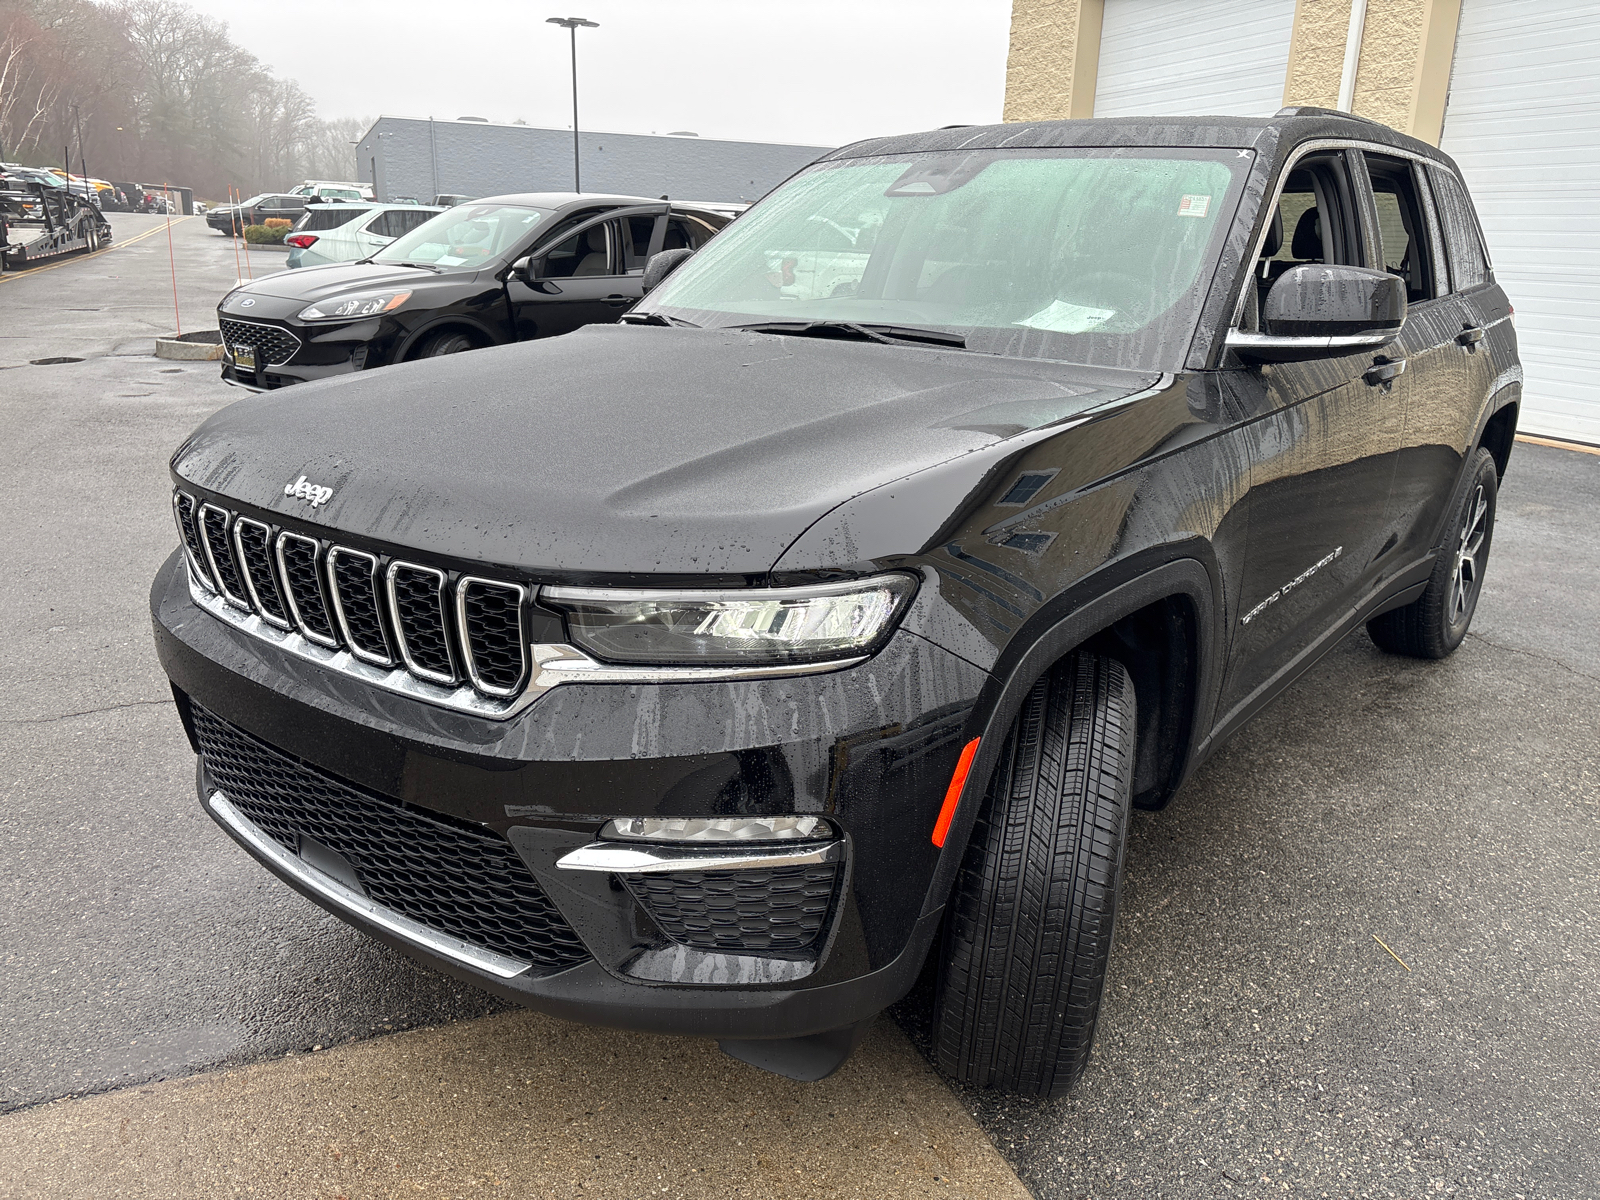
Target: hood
[(317, 283), (626, 451)]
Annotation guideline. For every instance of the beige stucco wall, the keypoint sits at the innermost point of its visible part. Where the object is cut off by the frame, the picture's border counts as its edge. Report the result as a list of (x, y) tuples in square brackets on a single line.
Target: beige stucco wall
[(1404, 72)]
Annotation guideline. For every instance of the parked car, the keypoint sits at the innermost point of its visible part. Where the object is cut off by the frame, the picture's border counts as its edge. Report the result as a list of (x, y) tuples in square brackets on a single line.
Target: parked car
[(231, 219), (709, 672), (333, 233), (334, 189), (503, 269), (450, 200)]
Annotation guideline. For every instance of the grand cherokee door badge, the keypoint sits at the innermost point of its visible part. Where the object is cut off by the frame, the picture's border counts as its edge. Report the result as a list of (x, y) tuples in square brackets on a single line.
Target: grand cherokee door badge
[(1292, 584)]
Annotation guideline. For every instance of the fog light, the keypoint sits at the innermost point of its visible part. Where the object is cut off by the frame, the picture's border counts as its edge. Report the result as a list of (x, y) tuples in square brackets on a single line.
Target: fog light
[(718, 829)]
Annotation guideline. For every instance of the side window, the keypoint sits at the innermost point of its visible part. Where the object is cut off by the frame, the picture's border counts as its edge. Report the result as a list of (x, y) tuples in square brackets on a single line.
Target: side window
[(636, 242), (1469, 264), (686, 233), (388, 224), (1315, 222), (581, 255), (403, 222), (1402, 227)]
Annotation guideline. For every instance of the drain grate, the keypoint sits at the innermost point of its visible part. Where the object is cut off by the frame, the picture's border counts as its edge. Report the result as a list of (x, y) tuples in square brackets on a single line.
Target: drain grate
[(50, 362)]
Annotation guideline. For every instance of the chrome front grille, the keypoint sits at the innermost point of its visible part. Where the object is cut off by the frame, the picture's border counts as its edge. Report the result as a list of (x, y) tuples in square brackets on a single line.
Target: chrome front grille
[(467, 634), (272, 344)]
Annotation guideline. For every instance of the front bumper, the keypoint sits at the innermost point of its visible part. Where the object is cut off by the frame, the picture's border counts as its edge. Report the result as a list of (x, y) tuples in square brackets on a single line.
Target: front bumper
[(870, 747)]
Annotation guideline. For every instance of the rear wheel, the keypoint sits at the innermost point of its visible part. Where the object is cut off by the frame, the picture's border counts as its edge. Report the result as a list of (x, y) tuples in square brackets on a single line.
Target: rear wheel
[(448, 341), (1436, 622), (1029, 934)]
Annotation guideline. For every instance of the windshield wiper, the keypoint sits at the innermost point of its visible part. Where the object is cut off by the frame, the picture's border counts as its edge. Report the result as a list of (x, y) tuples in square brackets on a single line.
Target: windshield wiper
[(655, 318), (888, 335)]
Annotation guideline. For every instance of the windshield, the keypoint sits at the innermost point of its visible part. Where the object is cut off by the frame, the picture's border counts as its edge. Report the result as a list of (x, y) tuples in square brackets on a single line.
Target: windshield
[(467, 237), (1096, 255)]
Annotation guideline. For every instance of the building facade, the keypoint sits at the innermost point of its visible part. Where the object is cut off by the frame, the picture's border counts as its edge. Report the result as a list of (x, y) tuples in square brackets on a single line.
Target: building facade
[(1507, 87), (421, 158)]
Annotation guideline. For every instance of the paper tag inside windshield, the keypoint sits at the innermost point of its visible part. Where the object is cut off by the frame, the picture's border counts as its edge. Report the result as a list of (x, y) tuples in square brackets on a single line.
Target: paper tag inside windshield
[(1062, 317), (1194, 206)]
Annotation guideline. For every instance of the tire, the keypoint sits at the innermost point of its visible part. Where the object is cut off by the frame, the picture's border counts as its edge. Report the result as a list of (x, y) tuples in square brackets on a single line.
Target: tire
[(1436, 622), (1030, 928), (449, 341)]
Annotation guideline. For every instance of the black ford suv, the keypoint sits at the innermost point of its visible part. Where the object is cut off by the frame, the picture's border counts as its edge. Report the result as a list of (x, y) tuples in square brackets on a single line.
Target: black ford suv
[(503, 269), (710, 672)]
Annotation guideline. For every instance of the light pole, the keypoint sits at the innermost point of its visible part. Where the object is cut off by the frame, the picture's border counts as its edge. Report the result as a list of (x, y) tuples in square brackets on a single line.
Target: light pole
[(574, 24)]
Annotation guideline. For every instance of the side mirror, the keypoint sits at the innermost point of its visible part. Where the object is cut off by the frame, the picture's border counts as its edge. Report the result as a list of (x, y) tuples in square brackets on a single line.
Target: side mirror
[(661, 265), (527, 268), (1318, 311)]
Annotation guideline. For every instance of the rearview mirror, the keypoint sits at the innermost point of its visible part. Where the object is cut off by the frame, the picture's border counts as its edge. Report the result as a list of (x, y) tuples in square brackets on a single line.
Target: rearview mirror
[(659, 266), (1317, 311)]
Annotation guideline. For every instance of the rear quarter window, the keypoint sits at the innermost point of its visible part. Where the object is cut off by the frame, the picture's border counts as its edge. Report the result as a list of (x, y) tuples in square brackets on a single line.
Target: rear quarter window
[(1469, 260)]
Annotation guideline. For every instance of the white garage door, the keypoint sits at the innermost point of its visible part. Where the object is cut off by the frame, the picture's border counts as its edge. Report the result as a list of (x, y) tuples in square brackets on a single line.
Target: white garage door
[(1524, 124), (1165, 57)]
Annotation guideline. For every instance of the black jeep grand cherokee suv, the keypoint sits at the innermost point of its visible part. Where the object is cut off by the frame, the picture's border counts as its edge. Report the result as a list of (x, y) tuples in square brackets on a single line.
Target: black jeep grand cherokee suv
[(705, 674)]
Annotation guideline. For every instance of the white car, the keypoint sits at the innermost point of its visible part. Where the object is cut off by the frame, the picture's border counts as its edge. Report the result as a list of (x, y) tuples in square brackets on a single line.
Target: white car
[(329, 189), (336, 233)]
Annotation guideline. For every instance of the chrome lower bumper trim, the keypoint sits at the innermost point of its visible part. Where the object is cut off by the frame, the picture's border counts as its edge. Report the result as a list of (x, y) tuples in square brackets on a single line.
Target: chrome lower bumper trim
[(633, 858), (336, 893)]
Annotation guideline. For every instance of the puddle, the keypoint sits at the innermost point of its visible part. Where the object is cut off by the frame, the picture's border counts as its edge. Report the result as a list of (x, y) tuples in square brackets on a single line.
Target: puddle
[(50, 362)]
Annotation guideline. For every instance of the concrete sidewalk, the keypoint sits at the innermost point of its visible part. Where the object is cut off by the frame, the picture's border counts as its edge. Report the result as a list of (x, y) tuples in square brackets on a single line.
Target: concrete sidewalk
[(516, 1105)]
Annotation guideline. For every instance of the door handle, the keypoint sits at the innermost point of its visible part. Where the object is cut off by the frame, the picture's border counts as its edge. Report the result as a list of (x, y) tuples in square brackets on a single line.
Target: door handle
[(615, 300), (1469, 337), (1384, 371)]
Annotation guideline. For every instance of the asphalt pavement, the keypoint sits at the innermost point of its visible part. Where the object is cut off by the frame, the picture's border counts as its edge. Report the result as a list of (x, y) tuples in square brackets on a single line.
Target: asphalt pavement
[(1258, 1036)]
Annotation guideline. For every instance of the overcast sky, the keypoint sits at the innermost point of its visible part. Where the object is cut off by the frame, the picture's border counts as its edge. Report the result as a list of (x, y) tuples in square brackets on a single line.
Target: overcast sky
[(820, 72)]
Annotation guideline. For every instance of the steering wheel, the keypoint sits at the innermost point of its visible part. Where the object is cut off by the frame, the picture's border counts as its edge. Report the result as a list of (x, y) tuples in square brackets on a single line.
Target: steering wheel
[(468, 252)]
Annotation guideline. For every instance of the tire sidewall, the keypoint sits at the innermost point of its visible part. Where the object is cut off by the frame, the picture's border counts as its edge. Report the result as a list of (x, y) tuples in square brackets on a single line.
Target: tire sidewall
[(1480, 473)]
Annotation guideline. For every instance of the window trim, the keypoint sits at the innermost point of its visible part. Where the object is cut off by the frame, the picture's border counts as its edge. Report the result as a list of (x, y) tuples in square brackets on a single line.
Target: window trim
[(1270, 201)]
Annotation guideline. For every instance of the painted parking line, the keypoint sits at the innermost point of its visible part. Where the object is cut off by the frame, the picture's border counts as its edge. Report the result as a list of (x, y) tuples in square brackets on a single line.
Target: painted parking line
[(517, 1105), (9, 276), (1580, 447)]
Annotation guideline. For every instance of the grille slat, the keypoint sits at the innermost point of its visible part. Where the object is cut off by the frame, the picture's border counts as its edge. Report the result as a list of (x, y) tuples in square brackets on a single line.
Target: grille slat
[(219, 555), (777, 911), (354, 576), (253, 541), (444, 629), (453, 877), (416, 600), (272, 344), (489, 615), (297, 560), (183, 507)]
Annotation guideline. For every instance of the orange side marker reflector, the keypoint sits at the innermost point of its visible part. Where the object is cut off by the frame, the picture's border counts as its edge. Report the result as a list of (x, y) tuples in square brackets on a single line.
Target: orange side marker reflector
[(952, 795)]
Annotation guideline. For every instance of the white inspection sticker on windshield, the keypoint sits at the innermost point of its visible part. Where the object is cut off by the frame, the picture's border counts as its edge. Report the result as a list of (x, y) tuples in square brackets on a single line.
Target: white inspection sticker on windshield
[(1193, 206), (1062, 317)]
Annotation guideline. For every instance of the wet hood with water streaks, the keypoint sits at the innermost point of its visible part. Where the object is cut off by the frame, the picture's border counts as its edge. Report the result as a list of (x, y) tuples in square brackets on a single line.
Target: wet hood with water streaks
[(629, 451)]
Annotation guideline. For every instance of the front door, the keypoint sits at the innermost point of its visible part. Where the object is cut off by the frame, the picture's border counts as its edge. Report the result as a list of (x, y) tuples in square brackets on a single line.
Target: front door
[(1321, 525), (580, 280)]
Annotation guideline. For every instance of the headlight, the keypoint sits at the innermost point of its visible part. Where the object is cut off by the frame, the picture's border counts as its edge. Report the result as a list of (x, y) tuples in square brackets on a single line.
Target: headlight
[(744, 625), (367, 304)]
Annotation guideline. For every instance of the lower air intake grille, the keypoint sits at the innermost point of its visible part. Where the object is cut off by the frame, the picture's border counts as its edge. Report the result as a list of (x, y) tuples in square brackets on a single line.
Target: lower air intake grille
[(741, 912), (271, 344), (451, 877)]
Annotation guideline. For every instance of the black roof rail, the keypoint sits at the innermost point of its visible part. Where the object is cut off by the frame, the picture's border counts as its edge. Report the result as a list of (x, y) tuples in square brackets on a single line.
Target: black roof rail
[(1308, 110)]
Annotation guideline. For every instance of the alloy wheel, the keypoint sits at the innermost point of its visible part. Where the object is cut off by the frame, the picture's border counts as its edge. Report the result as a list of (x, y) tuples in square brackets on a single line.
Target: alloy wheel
[(1469, 546)]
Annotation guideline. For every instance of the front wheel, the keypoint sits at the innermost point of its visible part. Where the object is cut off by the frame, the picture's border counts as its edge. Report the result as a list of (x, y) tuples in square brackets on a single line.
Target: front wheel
[(1435, 623), (1029, 934), (447, 342)]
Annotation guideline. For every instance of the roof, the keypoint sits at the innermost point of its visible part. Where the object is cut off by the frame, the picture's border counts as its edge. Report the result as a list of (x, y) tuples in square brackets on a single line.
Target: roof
[(1289, 126)]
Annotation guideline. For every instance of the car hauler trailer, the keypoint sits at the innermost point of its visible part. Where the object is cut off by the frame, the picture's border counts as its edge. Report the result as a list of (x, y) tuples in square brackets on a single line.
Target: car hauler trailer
[(38, 222)]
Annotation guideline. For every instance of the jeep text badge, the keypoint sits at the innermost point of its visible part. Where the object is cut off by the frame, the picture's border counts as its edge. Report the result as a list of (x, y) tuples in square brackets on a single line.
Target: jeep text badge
[(301, 490)]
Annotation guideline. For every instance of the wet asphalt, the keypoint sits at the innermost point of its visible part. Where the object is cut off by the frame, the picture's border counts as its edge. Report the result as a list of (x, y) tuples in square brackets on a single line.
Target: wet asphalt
[(1258, 1038)]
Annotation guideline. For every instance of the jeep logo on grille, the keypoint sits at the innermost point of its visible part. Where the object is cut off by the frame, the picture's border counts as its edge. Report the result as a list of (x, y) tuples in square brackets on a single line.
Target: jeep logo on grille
[(301, 490)]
